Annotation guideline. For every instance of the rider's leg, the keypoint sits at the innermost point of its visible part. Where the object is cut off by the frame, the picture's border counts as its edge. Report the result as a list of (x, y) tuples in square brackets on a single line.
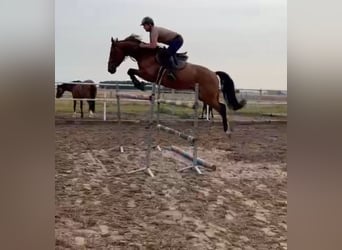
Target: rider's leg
[(174, 46)]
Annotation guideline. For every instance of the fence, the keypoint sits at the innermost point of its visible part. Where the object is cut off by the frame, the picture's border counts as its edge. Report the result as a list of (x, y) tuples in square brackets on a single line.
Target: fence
[(257, 99)]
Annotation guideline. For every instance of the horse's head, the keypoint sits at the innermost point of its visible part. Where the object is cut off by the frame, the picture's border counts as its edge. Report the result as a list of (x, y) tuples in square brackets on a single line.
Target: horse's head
[(60, 91), (116, 56), (120, 49)]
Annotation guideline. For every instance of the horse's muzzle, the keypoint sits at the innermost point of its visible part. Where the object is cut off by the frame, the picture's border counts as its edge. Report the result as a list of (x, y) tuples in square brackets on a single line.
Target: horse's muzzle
[(111, 70)]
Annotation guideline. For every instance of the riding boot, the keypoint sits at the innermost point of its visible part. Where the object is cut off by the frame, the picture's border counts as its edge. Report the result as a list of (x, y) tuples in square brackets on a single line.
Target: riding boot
[(170, 67)]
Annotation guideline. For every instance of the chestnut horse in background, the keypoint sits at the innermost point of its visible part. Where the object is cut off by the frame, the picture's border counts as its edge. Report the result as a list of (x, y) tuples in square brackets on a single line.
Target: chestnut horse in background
[(187, 74), (80, 91)]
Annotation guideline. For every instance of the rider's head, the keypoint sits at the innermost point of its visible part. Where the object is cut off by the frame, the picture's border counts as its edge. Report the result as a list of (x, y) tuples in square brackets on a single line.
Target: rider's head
[(147, 23)]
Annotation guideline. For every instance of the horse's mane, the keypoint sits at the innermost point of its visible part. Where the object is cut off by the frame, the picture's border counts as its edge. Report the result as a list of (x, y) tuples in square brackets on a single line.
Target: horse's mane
[(133, 38), (137, 38), (88, 81)]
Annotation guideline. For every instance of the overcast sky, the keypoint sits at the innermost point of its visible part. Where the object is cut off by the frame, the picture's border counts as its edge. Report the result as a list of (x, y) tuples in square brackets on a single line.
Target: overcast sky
[(245, 38)]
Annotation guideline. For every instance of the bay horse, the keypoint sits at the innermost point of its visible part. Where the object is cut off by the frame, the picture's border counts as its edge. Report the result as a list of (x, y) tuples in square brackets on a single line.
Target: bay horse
[(187, 74), (80, 91)]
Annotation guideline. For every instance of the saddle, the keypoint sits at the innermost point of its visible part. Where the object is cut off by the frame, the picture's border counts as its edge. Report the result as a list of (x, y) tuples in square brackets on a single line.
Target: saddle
[(178, 62)]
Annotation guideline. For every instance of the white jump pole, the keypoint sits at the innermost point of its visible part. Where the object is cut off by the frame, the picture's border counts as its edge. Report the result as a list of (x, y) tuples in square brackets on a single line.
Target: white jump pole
[(105, 108), (191, 138), (150, 133), (149, 138), (195, 134), (119, 117)]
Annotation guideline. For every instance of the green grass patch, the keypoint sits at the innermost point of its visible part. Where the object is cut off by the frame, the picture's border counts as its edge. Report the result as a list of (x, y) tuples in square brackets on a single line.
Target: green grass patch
[(255, 109), (181, 112), (135, 108)]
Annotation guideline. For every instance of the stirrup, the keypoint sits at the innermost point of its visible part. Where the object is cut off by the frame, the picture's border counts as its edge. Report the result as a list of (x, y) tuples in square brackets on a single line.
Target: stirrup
[(171, 75)]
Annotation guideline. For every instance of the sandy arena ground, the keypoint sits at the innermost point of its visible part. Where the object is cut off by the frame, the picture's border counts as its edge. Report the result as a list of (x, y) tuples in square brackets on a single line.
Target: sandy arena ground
[(241, 205)]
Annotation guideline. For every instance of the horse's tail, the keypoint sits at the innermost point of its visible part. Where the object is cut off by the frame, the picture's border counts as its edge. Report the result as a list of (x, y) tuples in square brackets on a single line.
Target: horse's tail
[(228, 90), (93, 92)]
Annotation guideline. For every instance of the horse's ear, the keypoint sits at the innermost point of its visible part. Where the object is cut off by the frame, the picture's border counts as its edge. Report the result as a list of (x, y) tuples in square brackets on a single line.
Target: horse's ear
[(112, 40), (116, 39)]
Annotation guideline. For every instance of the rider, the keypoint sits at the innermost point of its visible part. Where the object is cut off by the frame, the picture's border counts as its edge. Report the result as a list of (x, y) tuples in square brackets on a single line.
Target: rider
[(165, 36)]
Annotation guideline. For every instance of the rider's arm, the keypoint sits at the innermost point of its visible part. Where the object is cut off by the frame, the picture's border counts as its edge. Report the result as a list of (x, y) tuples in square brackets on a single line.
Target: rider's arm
[(153, 40)]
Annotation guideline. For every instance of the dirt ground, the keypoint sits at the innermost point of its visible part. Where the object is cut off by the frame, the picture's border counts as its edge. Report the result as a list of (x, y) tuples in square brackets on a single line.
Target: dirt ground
[(241, 205)]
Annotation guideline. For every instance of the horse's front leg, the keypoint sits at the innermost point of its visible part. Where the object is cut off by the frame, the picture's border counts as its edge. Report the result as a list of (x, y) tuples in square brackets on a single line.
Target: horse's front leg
[(138, 84)]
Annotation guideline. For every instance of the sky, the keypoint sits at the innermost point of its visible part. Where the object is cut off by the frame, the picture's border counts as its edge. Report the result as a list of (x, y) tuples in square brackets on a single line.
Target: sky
[(245, 38)]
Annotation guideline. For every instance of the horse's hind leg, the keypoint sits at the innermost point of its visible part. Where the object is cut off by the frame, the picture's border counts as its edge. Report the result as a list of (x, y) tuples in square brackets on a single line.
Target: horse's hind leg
[(74, 114), (203, 110), (222, 110), (211, 97), (91, 108), (223, 113), (212, 114), (81, 105)]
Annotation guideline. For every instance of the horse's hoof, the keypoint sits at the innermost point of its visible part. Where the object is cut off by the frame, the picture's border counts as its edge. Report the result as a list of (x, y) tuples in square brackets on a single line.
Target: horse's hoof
[(139, 85), (243, 103), (229, 133), (74, 115)]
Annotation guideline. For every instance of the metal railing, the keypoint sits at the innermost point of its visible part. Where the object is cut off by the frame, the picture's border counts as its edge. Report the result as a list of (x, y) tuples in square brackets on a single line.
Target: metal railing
[(254, 96)]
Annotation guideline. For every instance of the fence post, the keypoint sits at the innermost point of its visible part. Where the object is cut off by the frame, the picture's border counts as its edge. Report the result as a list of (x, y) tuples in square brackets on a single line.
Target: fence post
[(260, 100), (119, 116), (173, 98), (105, 108)]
